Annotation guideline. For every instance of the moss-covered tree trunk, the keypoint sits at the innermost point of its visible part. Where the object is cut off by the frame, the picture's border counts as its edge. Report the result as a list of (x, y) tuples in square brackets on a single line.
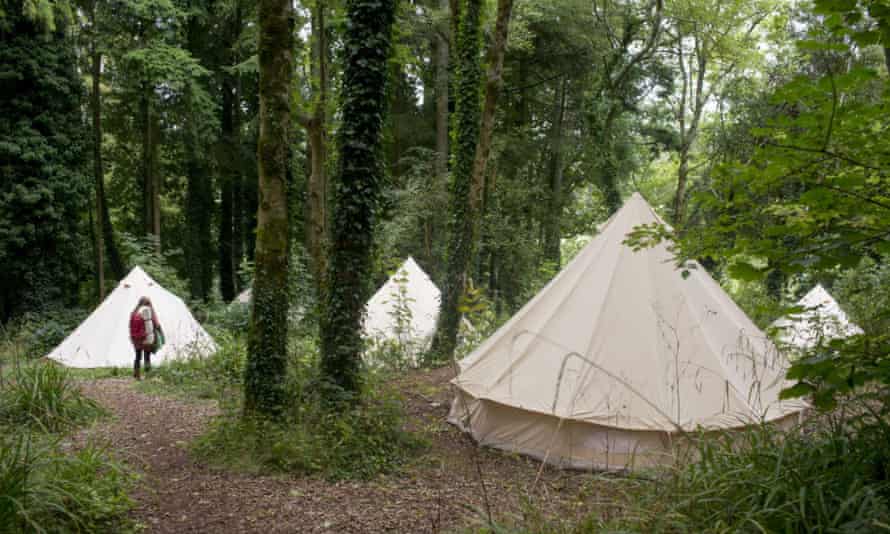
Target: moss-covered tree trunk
[(356, 189), (461, 221), (472, 147), (267, 336)]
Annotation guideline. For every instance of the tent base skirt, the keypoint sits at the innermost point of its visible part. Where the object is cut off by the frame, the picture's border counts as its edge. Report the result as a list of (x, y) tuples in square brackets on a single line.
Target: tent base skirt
[(571, 444)]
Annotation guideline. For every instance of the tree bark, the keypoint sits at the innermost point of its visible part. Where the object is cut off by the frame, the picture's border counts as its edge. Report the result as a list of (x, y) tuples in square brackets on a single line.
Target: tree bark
[(267, 335), (442, 43), (147, 180), (316, 227), (366, 46), (228, 175), (98, 174), (552, 233), (471, 157)]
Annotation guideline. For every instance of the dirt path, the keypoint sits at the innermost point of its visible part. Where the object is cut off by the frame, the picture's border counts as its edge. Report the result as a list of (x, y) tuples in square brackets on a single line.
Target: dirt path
[(437, 492)]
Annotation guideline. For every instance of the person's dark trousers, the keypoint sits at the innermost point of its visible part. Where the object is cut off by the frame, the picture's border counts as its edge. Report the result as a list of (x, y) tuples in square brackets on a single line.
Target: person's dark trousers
[(140, 354)]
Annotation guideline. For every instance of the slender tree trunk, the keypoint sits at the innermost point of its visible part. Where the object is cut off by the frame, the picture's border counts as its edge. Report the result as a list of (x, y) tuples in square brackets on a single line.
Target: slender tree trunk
[(147, 180), (552, 233), (357, 188), (156, 184), (267, 335), (442, 43), (316, 226), (98, 173), (228, 175), (238, 201), (471, 157), (682, 179)]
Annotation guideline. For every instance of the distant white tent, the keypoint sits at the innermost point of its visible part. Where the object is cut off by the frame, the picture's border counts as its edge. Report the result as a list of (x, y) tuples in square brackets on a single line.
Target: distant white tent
[(103, 339), (617, 357), (821, 319), (244, 297), (405, 309)]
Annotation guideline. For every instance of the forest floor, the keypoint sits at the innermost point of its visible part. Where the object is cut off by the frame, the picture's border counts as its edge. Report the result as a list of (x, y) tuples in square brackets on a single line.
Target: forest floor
[(438, 491)]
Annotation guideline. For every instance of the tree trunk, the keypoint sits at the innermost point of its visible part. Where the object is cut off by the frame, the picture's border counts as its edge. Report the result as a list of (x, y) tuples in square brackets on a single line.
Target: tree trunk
[(267, 334), (98, 174), (366, 46), (316, 227), (682, 179), (147, 180), (471, 157), (228, 175), (552, 233), (442, 101), (238, 201)]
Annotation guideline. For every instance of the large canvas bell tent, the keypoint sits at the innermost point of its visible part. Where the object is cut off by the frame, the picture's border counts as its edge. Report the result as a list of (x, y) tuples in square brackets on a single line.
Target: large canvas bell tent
[(617, 358), (405, 309), (103, 339), (821, 319)]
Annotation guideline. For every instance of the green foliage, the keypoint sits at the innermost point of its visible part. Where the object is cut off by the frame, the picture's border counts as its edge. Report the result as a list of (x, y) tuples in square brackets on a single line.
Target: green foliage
[(142, 251), (34, 334), (45, 396), (357, 440), (215, 376), (45, 490), (830, 476), (356, 189), (42, 184)]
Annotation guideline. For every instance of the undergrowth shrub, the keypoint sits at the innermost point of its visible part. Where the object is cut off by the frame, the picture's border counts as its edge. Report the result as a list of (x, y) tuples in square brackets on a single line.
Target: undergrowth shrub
[(353, 441), (43, 490), (829, 477), (203, 377), (44, 395), (34, 334)]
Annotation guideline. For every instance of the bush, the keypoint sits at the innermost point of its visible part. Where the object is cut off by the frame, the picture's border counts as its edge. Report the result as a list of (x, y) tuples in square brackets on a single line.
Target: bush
[(206, 376), (34, 334), (360, 441), (42, 490), (44, 395)]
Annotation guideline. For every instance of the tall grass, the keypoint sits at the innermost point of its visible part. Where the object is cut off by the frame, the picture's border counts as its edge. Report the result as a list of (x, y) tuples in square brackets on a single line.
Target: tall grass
[(42, 490), (828, 477), (44, 395)]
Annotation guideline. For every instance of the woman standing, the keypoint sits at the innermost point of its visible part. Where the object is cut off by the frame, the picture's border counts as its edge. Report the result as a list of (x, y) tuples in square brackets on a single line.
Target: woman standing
[(145, 328)]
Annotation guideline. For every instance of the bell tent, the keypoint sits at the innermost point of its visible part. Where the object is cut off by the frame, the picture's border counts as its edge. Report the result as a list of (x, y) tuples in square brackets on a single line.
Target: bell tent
[(405, 309), (617, 358), (821, 319), (103, 339)]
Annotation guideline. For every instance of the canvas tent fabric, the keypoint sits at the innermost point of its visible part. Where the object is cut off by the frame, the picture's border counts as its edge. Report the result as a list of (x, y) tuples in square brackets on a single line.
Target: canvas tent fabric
[(244, 297), (617, 358), (103, 339), (411, 289), (821, 319)]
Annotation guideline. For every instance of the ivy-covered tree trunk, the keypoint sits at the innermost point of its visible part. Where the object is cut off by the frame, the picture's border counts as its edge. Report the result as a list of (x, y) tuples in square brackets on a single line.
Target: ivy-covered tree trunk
[(473, 145), (267, 335), (461, 220), (356, 190)]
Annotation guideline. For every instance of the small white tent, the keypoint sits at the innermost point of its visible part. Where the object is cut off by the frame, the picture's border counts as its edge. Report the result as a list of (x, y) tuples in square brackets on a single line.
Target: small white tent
[(103, 339), (405, 308), (617, 357), (245, 296), (821, 319)]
